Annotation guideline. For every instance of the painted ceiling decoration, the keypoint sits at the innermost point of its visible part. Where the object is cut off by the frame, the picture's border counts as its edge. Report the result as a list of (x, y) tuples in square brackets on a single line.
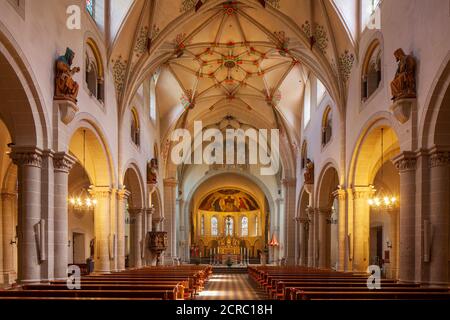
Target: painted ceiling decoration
[(239, 58), (221, 60), (229, 200)]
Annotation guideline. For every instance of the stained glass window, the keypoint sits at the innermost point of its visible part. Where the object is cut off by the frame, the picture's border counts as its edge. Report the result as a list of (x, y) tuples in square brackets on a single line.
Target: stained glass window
[(244, 227), (229, 226), (214, 228), (202, 226), (90, 7)]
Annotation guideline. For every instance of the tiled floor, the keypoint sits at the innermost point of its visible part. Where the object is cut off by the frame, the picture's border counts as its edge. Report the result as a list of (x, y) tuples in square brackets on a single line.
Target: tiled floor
[(230, 287)]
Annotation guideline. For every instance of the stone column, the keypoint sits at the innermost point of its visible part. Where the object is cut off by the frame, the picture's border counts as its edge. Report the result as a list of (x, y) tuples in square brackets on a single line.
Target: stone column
[(290, 245), (136, 215), (8, 237), (29, 162), (439, 217), (324, 216), (170, 219), (122, 197), (311, 227), (342, 229), (303, 240), (361, 226), (102, 255), (406, 164), (148, 228), (62, 163)]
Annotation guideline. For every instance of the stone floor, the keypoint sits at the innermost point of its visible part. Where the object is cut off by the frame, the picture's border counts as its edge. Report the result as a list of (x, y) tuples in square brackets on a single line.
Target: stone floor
[(231, 287)]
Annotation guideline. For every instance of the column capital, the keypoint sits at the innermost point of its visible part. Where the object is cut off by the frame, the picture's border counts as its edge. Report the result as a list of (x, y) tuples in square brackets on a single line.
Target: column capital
[(301, 219), (63, 162), (134, 211), (150, 211), (100, 191), (123, 194), (5, 195), (362, 192), (27, 156), (405, 161), (170, 182), (340, 194), (439, 158), (324, 211)]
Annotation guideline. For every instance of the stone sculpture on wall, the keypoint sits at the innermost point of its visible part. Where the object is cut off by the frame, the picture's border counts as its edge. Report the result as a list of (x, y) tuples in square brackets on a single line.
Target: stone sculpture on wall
[(65, 87), (152, 171), (404, 84), (309, 172)]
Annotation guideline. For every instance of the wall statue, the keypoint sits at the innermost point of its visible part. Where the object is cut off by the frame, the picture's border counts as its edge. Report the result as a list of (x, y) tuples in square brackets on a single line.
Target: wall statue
[(152, 171), (309, 172), (65, 87), (404, 84)]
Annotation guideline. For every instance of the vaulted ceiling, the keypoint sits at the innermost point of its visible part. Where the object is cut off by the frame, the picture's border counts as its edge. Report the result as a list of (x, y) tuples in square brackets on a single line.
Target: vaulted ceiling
[(249, 59)]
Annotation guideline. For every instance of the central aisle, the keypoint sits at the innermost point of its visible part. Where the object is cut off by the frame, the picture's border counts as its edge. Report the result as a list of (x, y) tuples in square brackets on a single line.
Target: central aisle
[(230, 287)]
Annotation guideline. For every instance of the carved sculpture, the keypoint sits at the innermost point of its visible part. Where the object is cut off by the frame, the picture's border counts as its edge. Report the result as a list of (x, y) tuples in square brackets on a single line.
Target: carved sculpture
[(404, 84), (65, 87), (158, 242), (309, 172), (152, 171)]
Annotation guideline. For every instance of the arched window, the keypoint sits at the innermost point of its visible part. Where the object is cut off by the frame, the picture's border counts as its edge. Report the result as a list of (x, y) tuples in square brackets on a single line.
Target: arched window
[(327, 126), (304, 154), (135, 128), (94, 71), (214, 227), (307, 104), (256, 226), (371, 72), (244, 227), (321, 90), (153, 80), (202, 225), (229, 225), (90, 6)]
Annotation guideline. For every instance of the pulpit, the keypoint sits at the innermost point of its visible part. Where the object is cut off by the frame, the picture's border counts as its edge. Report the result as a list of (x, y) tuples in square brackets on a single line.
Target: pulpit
[(157, 243)]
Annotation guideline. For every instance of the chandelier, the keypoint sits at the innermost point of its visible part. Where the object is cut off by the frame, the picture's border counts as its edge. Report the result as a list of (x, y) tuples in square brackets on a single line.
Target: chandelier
[(82, 201), (383, 199)]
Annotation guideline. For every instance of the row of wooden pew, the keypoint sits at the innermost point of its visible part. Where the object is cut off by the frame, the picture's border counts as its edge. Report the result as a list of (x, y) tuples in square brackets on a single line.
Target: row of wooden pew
[(300, 283), (151, 283)]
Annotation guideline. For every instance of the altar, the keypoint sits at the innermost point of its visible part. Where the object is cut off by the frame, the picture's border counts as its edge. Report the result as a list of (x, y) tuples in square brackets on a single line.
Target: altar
[(234, 258), (229, 245)]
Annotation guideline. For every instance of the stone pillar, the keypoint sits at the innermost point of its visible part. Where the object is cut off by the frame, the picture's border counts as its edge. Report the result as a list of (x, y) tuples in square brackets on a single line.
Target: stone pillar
[(311, 227), (102, 254), (439, 217), (29, 162), (122, 197), (290, 245), (406, 164), (303, 225), (148, 228), (170, 196), (324, 257), (342, 230), (8, 237), (181, 229), (62, 163), (361, 228), (136, 215)]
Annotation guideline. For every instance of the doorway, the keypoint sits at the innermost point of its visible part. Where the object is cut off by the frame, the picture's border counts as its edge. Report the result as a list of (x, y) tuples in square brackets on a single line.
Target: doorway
[(79, 249)]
